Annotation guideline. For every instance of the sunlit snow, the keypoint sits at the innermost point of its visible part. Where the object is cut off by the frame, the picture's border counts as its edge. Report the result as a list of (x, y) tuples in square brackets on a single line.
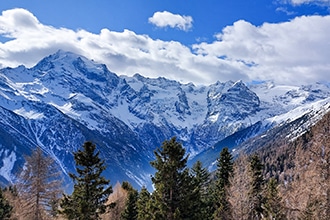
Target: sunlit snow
[(66, 109), (8, 162), (29, 114)]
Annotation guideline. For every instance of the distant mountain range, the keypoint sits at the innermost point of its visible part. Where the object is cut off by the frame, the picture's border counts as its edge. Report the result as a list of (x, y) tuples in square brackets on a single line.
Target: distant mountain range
[(67, 99)]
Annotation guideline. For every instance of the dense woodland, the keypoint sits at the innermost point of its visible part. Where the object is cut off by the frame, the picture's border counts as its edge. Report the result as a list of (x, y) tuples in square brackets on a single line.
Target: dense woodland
[(283, 180)]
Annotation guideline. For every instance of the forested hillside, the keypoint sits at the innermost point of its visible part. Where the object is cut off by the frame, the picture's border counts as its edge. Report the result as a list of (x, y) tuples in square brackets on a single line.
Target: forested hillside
[(302, 168), (285, 179), (282, 180)]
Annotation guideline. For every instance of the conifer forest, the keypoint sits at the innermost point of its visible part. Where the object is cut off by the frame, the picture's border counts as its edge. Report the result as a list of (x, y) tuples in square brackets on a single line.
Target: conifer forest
[(281, 180)]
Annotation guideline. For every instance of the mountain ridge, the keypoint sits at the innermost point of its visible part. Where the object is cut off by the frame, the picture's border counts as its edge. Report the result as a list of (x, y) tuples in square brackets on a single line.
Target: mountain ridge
[(128, 117)]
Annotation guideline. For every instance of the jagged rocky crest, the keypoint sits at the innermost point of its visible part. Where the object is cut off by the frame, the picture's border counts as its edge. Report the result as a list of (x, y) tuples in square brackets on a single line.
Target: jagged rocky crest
[(67, 99)]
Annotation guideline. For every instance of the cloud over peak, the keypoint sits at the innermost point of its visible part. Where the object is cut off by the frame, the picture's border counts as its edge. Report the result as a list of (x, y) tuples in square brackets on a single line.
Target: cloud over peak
[(293, 52), (167, 19)]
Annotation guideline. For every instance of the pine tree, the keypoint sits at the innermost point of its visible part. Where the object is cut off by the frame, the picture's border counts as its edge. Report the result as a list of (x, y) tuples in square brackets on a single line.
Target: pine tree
[(130, 211), (256, 197), (5, 207), (38, 184), (200, 198), (54, 204), (144, 205), (225, 169), (91, 190), (273, 207), (171, 181), (156, 208)]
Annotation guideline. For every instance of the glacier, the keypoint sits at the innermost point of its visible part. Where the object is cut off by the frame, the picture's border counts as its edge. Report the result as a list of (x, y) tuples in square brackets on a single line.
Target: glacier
[(66, 99)]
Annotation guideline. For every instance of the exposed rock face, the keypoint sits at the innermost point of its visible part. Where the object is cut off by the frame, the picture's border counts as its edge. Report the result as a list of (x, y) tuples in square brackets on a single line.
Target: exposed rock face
[(66, 99)]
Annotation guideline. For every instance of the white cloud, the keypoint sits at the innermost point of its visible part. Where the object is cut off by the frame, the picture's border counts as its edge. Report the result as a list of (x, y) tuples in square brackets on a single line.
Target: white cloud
[(285, 10), (316, 2), (290, 52), (293, 52), (167, 19)]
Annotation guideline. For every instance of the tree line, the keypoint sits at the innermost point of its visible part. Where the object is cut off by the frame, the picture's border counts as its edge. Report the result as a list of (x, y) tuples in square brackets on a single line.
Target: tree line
[(179, 192), (244, 188)]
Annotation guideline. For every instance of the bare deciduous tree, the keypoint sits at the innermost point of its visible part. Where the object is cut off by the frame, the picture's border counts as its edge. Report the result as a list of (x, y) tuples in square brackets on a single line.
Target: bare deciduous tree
[(39, 186), (239, 197), (118, 197)]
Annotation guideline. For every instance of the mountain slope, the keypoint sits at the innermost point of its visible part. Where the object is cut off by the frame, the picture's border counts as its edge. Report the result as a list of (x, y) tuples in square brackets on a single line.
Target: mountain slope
[(66, 99)]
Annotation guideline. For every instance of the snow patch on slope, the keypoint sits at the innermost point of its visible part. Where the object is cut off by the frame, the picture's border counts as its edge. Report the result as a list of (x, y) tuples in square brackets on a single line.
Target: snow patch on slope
[(29, 114), (8, 162)]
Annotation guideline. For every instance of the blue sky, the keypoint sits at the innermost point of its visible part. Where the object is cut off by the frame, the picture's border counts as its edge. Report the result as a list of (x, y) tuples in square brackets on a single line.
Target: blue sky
[(190, 41)]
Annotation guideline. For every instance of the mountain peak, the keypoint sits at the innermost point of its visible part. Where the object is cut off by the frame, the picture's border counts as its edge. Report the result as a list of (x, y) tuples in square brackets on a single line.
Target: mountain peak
[(59, 58), (66, 59), (66, 55), (123, 113), (75, 66), (239, 83)]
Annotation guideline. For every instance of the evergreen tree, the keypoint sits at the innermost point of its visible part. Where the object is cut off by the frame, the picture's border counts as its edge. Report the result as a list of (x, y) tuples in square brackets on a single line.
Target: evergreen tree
[(5, 207), (91, 190), (171, 181), (273, 206), (54, 205), (256, 197), (200, 198), (225, 169), (156, 208), (144, 205), (38, 185), (130, 211)]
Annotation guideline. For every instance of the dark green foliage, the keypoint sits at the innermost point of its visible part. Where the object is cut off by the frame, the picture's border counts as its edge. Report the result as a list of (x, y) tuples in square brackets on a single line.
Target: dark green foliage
[(157, 208), (257, 179), (53, 205), (225, 170), (273, 207), (256, 198), (144, 205), (200, 200), (172, 182), (91, 190), (130, 211), (225, 167), (5, 207)]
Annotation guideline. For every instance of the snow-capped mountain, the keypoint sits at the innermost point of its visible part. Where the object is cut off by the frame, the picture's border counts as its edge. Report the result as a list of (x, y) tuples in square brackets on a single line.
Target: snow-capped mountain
[(67, 99)]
